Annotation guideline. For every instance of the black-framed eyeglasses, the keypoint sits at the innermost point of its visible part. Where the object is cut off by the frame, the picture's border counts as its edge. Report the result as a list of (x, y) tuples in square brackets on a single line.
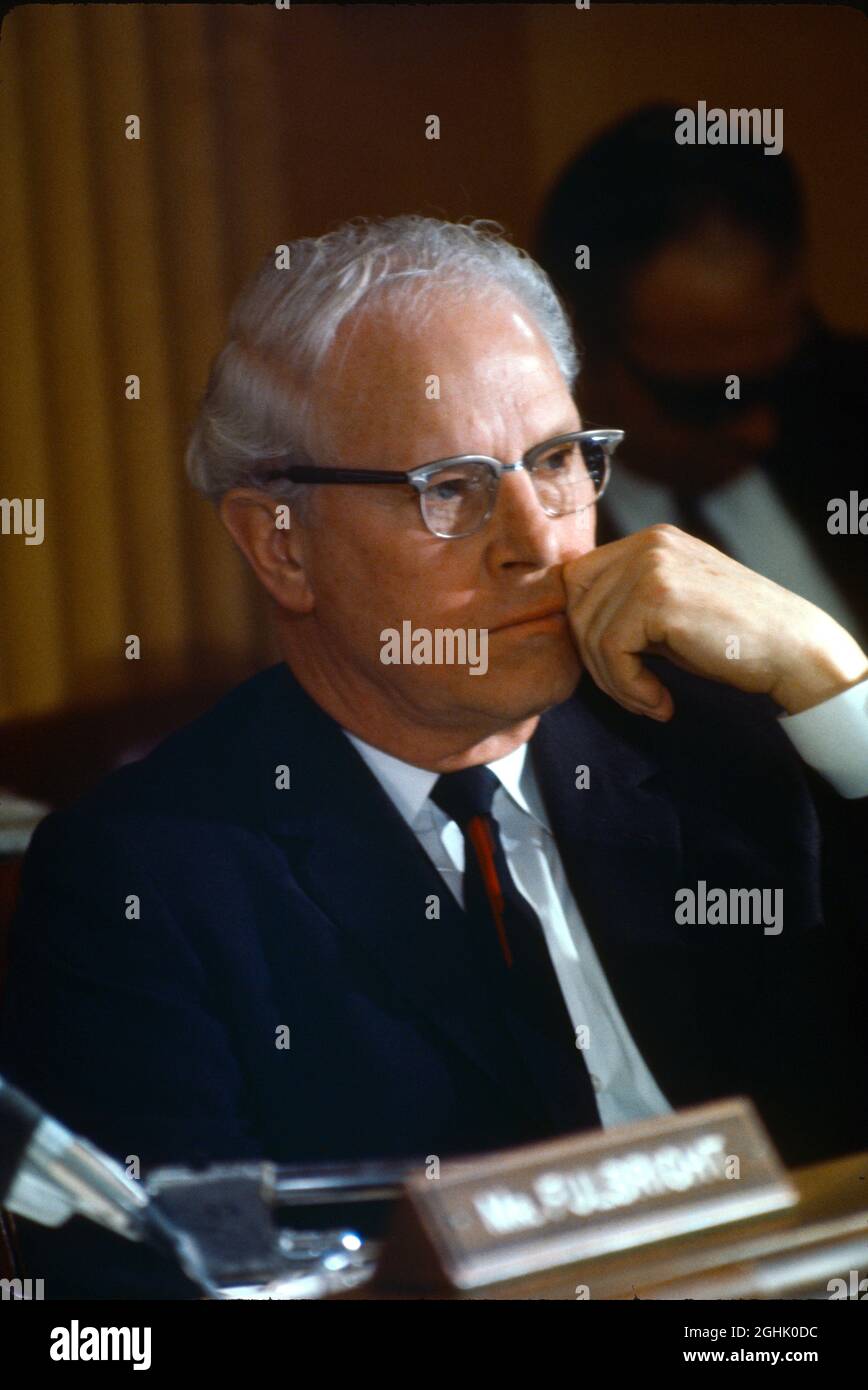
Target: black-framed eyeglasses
[(458, 495)]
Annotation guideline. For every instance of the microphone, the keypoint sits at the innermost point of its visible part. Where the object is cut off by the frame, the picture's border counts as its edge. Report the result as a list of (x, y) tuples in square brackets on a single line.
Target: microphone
[(216, 1225), (49, 1174)]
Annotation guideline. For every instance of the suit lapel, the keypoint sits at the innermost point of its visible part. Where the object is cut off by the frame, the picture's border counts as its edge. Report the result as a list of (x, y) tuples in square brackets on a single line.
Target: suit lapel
[(364, 867), (619, 839)]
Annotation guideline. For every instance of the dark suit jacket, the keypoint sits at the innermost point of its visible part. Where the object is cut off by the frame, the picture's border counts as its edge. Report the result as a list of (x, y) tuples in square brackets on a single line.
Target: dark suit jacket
[(305, 908)]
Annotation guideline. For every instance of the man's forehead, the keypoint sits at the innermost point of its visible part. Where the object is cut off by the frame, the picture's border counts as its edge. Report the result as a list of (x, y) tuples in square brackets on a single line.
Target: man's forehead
[(457, 368), (387, 339)]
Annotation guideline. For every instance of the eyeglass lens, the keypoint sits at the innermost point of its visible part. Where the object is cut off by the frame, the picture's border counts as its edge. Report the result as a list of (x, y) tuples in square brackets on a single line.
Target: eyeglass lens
[(567, 477)]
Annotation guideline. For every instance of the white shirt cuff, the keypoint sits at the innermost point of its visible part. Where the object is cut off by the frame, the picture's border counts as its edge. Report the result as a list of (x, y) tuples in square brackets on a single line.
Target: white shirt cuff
[(833, 738)]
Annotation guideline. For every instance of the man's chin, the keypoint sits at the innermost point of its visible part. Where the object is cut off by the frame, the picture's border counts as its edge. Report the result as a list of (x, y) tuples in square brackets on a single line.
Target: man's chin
[(527, 692)]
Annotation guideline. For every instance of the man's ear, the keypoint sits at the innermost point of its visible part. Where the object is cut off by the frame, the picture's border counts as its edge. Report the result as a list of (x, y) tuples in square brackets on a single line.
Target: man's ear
[(274, 550)]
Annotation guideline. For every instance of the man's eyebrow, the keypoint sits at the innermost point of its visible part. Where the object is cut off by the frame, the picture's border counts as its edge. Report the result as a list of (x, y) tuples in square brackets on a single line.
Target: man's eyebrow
[(567, 427)]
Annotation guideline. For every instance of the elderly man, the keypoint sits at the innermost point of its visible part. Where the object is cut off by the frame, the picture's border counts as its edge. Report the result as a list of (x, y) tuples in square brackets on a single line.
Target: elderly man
[(410, 907)]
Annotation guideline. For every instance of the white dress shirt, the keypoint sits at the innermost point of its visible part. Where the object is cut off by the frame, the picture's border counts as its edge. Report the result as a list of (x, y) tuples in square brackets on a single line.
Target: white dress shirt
[(625, 1088), (832, 737)]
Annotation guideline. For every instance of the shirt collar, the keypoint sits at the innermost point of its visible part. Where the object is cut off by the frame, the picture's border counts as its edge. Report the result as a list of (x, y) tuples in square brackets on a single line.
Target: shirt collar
[(410, 787)]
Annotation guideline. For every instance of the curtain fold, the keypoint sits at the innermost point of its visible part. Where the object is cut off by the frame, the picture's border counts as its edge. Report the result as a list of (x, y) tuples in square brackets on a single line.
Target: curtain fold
[(124, 256)]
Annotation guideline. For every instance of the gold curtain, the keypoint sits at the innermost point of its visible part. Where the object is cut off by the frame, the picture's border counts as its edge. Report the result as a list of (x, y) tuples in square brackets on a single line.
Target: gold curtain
[(122, 257)]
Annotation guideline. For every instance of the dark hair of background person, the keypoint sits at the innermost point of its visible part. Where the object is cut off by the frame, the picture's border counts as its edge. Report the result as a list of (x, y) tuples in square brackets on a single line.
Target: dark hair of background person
[(634, 189)]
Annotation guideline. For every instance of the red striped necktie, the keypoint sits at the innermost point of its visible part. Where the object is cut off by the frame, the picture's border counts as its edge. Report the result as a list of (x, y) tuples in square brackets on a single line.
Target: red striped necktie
[(512, 938)]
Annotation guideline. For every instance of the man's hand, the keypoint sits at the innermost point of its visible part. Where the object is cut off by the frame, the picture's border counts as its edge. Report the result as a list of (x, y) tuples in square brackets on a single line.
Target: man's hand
[(666, 593)]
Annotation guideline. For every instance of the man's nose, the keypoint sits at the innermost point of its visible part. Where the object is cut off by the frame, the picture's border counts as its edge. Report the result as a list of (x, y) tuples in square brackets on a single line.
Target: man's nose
[(756, 429), (522, 533)]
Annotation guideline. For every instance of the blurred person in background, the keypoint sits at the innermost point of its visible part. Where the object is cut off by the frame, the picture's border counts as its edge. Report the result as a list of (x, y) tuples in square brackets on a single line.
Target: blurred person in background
[(696, 273)]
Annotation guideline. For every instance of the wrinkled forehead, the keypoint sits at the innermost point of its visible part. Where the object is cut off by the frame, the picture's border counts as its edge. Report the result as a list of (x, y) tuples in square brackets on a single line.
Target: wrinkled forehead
[(431, 370)]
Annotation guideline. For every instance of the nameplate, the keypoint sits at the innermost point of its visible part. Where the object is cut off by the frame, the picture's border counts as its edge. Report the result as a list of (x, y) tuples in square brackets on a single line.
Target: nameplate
[(541, 1206)]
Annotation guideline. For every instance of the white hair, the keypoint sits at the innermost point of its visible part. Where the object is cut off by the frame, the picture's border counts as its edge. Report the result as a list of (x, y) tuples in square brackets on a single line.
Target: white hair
[(257, 403)]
